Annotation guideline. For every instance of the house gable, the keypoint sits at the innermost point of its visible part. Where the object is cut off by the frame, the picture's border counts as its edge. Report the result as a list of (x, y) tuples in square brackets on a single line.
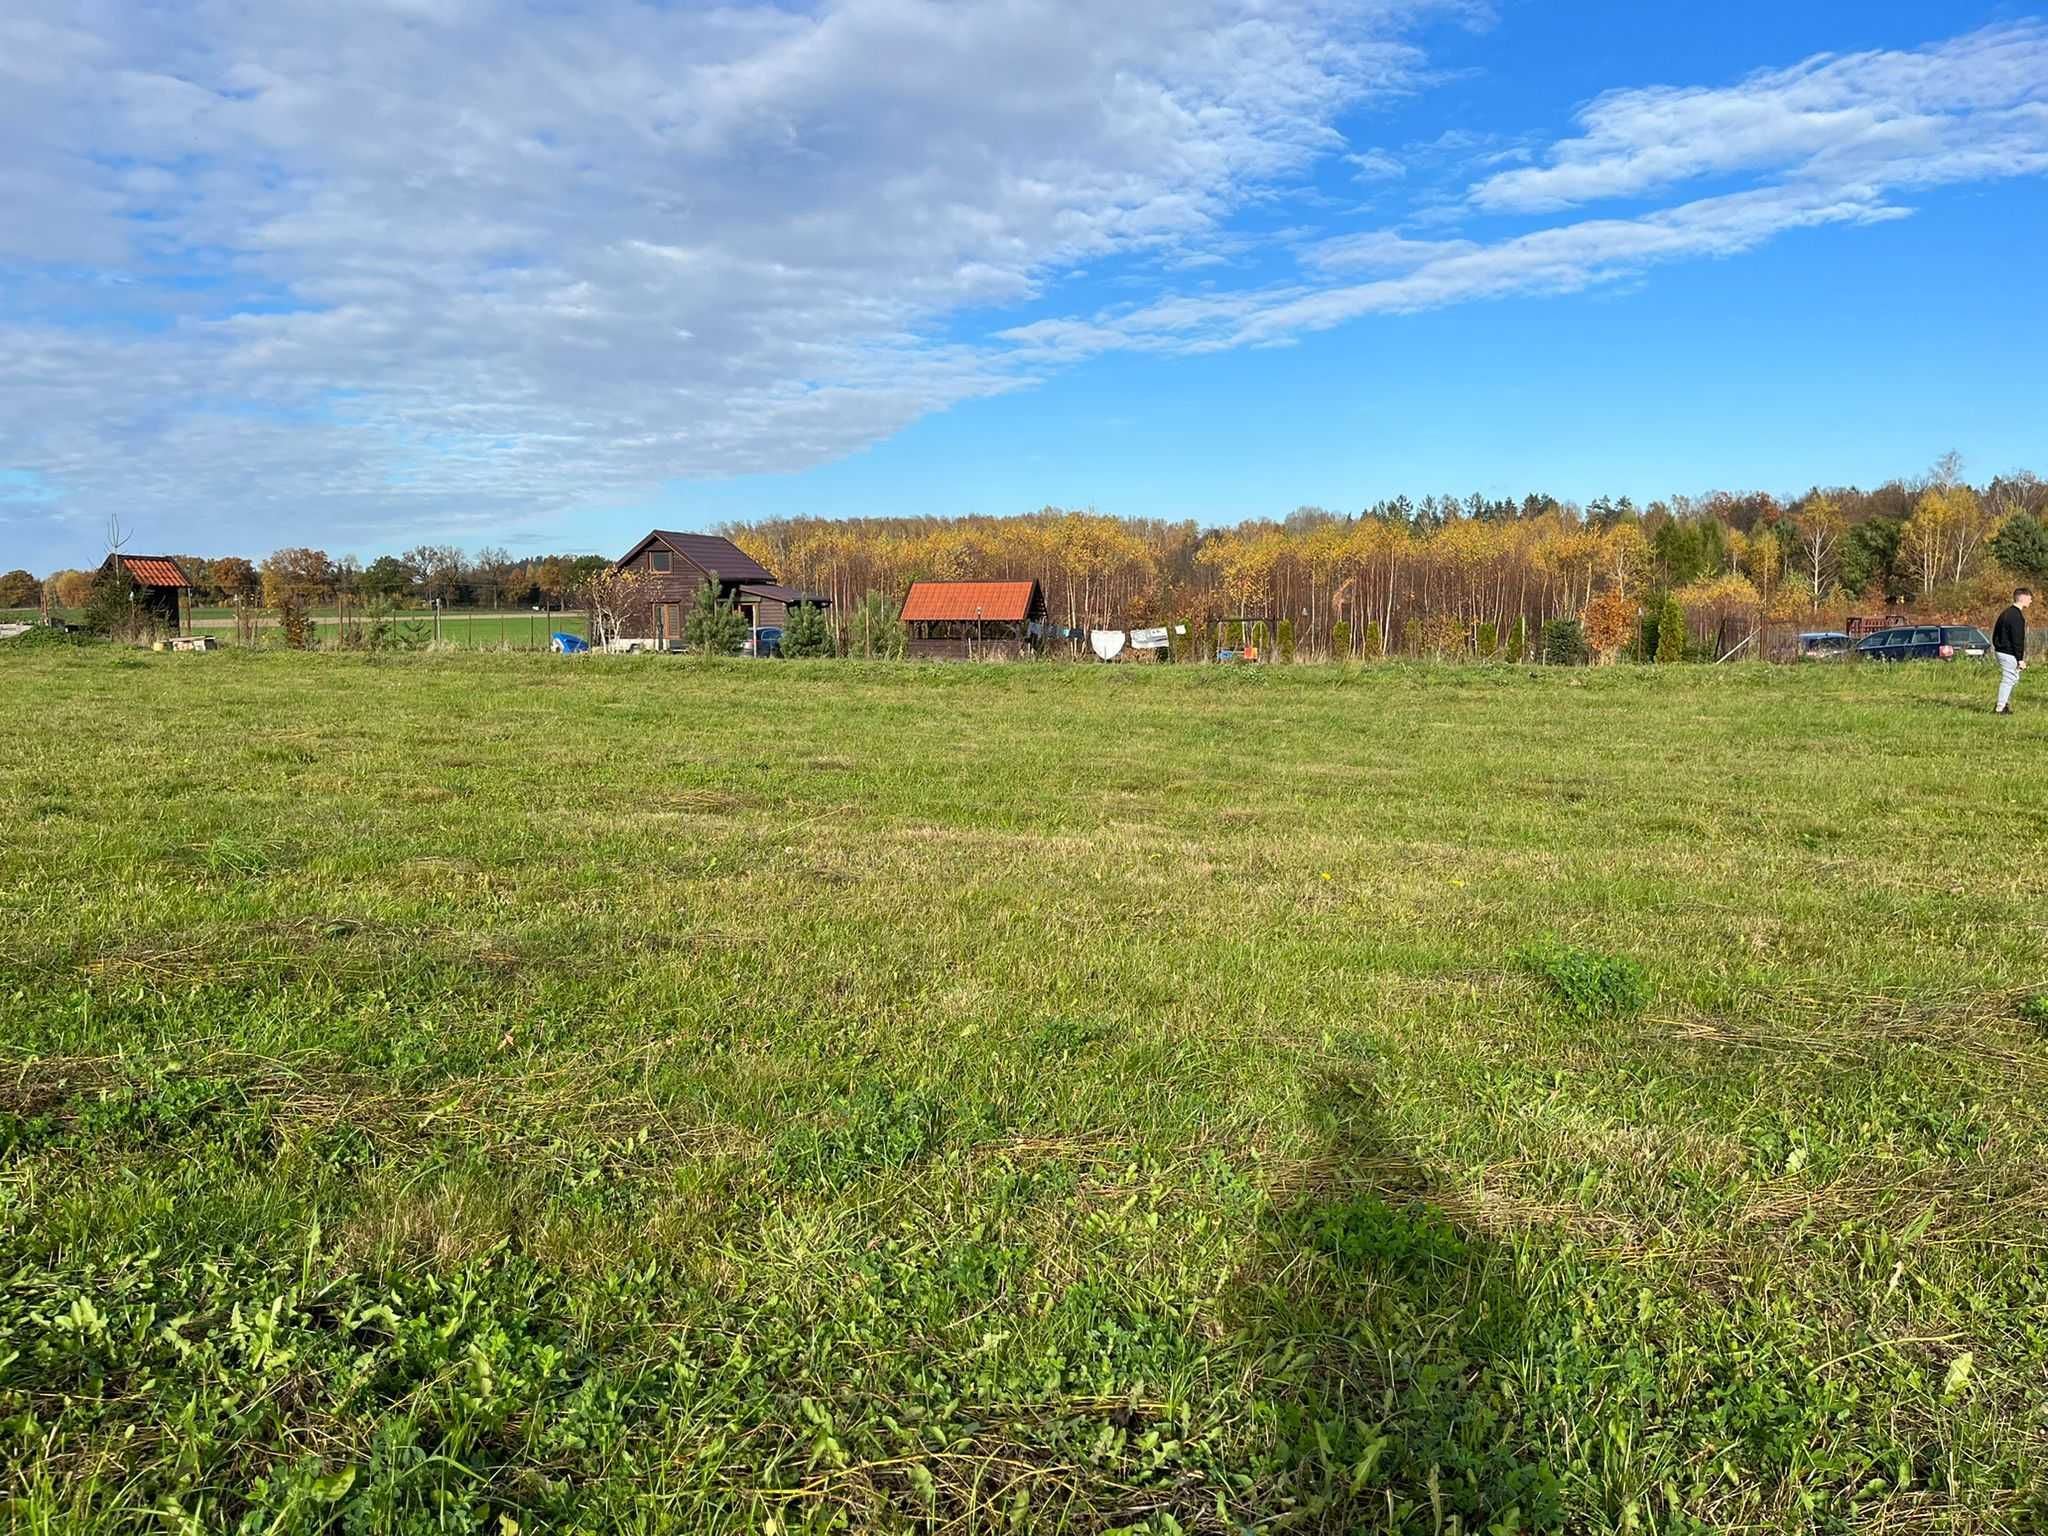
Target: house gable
[(693, 557)]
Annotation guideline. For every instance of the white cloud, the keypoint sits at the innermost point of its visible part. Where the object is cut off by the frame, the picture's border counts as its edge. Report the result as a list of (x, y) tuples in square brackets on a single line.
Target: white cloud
[(452, 262), (1375, 165), (429, 266), (1970, 107), (1379, 250), (1970, 110)]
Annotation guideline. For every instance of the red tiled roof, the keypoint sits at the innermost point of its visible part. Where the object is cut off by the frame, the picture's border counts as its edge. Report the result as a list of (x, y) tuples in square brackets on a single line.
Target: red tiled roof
[(942, 601), (154, 571)]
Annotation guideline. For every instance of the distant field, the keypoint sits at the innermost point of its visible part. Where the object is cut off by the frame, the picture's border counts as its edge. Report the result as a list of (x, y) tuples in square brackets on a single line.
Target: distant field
[(515, 628), (477, 630), (479, 1093)]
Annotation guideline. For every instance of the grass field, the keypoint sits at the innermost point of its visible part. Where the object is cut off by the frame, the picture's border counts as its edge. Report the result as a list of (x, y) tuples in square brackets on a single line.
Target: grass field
[(507, 1093), (519, 630)]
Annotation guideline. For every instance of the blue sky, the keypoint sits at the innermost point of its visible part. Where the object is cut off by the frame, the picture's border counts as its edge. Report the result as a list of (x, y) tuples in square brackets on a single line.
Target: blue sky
[(543, 275)]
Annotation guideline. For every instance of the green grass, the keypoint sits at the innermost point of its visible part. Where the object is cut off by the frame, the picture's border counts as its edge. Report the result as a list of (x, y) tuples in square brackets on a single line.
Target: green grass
[(470, 631), (445, 1092), (480, 631), (515, 629)]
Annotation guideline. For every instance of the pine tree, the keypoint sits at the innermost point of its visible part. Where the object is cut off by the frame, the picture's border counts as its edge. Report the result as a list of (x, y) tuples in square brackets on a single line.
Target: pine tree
[(1564, 643), (1340, 640), (1375, 642), (1489, 641), (714, 627), (805, 633), (1287, 639)]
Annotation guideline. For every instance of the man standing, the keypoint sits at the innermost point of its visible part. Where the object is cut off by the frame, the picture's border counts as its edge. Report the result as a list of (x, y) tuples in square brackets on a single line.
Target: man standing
[(2009, 640)]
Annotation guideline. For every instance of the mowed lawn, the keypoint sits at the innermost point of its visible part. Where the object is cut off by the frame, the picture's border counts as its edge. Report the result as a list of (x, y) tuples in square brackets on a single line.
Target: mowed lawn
[(510, 1093)]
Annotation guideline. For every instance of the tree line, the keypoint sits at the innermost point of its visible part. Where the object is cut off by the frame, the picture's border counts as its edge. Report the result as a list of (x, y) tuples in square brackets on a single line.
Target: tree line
[(1434, 576), (427, 573), (1428, 576)]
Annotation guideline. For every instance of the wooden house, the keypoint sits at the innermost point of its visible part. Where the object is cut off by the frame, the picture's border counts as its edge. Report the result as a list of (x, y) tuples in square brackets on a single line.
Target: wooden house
[(677, 565), (973, 620)]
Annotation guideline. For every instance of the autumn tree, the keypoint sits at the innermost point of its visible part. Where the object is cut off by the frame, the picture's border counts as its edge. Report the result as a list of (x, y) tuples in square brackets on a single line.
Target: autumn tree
[(1625, 556), (19, 589), (1765, 559), (1822, 523), (236, 580), (297, 575), (1443, 635), (1611, 619), (436, 570), (294, 580), (552, 576), (614, 599), (72, 589), (1947, 527)]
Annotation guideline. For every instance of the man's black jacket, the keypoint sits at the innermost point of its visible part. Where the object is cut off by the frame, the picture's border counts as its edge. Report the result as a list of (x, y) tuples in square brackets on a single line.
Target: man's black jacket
[(2010, 636)]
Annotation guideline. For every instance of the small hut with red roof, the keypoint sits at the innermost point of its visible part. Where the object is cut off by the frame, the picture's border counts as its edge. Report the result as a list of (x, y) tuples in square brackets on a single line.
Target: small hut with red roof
[(973, 620), (158, 587)]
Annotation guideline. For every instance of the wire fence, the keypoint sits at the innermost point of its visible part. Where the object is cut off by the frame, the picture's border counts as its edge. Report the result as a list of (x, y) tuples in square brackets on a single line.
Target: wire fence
[(481, 630)]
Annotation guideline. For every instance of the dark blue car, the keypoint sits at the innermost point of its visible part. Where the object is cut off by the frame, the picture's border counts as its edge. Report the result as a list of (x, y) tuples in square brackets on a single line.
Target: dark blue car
[(1925, 642)]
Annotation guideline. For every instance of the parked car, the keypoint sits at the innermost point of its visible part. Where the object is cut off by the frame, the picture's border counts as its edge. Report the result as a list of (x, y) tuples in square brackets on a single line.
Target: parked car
[(1925, 642), (764, 642), (1819, 644)]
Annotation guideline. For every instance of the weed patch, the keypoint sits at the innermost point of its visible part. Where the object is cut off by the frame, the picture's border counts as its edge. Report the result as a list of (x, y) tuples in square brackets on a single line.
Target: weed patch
[(1588, 987)]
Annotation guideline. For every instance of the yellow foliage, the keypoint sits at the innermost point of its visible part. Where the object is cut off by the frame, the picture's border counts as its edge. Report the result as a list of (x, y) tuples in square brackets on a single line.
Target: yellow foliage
[(1720, 595), (1612, 619)]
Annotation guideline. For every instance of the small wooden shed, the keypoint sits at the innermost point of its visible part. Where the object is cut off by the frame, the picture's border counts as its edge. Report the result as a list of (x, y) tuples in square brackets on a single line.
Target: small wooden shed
[(973, 620), (160, 589)]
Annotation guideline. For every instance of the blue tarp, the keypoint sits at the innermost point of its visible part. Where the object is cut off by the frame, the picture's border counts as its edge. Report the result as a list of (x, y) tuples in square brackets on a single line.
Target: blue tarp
[(568, 644)]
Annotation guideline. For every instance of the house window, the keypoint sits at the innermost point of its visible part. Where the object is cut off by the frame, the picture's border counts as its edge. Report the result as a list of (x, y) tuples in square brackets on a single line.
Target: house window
[(661, 561)]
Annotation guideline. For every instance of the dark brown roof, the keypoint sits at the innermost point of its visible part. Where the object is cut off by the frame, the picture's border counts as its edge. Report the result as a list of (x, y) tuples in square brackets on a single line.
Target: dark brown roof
[(781, 594), (707, 552), (998, 601), (154, 571)]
